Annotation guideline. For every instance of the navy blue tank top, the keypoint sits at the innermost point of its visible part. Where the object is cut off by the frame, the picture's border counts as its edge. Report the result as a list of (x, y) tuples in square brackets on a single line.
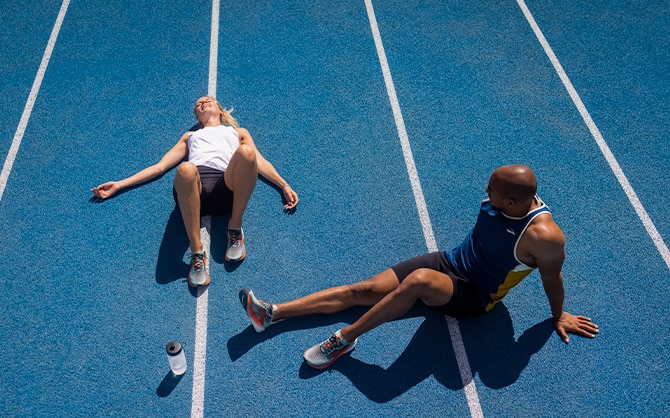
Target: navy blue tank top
[(487, 255)]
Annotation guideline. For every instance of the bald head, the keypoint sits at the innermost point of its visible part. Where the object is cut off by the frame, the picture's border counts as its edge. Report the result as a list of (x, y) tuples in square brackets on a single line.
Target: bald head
[(516, 181)]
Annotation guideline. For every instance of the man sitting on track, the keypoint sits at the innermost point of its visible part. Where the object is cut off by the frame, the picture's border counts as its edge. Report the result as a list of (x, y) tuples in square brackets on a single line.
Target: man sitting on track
[(218, 177), (513, 235)]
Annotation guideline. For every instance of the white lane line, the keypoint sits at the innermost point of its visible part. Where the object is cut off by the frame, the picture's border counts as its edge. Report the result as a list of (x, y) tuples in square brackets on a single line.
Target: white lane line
[(32, 97), (200, 344), (213, 49), (456, 339), (201, 310), (595, 132)]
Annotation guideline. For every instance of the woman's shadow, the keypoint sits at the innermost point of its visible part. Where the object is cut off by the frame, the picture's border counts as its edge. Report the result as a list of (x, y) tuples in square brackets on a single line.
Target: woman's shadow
[(172, 262)]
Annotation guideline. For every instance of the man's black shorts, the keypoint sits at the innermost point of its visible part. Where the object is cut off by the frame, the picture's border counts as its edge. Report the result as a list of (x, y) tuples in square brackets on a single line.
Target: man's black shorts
[(216, 198), (465, 302)]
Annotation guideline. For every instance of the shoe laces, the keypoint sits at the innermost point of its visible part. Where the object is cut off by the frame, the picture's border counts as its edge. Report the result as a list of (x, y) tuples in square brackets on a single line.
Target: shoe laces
[(234, 237), (331, 344), (198, 261), (265, 311)]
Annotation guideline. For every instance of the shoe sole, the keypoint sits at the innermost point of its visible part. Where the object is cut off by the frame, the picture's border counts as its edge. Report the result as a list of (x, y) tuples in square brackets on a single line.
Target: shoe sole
[(340, 354), (245, 296), (234, 260), (188, 279)]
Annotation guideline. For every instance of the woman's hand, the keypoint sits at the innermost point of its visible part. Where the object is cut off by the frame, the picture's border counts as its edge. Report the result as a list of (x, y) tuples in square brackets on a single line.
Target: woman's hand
[(291, 197), (106, 190)]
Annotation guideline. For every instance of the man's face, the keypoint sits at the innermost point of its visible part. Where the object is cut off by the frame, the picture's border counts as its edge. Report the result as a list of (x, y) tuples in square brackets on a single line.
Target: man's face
[(497, 200)]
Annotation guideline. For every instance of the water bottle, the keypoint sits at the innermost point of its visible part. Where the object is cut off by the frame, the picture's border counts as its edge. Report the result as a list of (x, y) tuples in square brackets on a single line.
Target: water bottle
[(176, 357)]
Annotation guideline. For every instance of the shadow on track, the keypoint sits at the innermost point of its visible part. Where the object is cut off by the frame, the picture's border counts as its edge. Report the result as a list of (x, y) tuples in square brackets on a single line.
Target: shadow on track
[(492, 351)]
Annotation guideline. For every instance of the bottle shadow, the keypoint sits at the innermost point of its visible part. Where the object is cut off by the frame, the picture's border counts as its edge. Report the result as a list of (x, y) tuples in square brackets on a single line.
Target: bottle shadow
[(170, 381)]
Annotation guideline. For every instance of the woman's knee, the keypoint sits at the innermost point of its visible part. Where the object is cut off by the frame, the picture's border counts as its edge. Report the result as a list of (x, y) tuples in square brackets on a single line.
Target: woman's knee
[(186, 171), (246, 152)]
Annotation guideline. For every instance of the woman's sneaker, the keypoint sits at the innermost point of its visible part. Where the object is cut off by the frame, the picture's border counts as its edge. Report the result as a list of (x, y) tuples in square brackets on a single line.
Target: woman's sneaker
[(323, 355), (198, 274), (259, 311), (236, 250)]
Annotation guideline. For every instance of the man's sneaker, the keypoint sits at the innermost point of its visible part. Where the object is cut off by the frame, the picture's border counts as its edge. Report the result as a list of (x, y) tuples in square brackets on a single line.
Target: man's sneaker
[(236, 250), (198, 275), (323, 355), (259, 311)]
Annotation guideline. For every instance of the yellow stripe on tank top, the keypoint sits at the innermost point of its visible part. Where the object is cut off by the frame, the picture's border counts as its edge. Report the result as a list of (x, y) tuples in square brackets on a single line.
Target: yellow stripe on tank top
[(513, 278)]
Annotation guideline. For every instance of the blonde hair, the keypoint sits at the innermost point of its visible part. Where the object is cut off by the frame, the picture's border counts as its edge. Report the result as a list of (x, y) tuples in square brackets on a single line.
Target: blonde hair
[(226, 117)]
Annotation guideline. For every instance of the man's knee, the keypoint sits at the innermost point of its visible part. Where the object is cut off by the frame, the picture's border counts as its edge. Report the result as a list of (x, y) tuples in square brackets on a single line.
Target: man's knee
[(419, 281), (432, 287)]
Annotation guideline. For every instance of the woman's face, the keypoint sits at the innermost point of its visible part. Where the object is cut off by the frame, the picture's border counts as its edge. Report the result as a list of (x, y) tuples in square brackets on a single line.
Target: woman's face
[(206, 105)]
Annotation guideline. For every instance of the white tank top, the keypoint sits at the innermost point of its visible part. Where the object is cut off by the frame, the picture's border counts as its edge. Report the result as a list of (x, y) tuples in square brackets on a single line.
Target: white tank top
[(213, 146)]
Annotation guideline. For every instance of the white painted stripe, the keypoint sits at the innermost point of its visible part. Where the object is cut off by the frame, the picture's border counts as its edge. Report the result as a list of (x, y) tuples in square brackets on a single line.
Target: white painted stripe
[(32, 97), (464, 368), (201, 310), (200, 344), (402, 133), (213, 49), (457, 341), (595, 132)]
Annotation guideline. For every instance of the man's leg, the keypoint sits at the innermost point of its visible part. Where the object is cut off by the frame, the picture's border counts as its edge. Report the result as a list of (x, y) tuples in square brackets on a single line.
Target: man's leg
[(188, 187), (339, 298), (366, 293), (240, 177), (430, 286)]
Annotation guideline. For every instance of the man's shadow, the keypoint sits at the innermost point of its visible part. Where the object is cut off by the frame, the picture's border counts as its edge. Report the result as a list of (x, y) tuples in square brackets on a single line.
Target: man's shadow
[(491, 349)]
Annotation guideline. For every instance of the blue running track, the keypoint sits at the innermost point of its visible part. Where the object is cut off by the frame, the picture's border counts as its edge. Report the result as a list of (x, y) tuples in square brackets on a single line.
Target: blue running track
[(94, 91)]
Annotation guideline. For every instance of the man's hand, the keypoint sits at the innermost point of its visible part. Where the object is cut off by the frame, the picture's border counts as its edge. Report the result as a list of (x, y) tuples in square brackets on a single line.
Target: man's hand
[(579, 325)]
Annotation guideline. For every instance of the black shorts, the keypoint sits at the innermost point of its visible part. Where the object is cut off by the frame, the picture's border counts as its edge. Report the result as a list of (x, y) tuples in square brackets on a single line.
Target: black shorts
[(215, 198), (464, 303)]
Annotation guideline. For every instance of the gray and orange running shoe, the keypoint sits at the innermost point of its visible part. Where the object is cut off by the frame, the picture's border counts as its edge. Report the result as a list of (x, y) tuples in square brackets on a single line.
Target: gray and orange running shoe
[(323, 355), (236, 250), (260, 312), (198, 274)]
